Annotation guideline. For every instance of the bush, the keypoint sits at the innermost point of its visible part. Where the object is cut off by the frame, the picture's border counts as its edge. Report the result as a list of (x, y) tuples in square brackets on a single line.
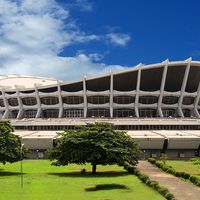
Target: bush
[(195, 180), (186, 175), (131, 169), (169, 196), (170, 170), (152, 160), (145, 179), (163, 190), (179, 174), (153, 184)]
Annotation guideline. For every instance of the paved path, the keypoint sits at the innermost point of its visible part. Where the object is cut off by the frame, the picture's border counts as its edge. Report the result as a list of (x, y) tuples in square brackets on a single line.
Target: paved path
[(182, 190)]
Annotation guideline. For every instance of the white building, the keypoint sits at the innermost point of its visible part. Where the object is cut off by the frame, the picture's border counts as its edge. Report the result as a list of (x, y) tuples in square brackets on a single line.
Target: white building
[(154, 98)]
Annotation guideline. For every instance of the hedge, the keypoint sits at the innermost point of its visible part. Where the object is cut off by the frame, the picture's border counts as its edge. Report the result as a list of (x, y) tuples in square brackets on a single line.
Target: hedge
[(153, 184), (166, 168)]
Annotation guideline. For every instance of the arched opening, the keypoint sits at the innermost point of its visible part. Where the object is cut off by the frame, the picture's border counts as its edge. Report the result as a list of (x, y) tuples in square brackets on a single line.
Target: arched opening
[(169, 113), (170, 100), (123, 99), (50, 113), (188, 100), (148, 99), (29, 101), (148, 113), (49, 100), (124, 112), (29, 114), (13, 114), (73, 99), (13, 102), (2, 103), (98, 99), (98, 112)]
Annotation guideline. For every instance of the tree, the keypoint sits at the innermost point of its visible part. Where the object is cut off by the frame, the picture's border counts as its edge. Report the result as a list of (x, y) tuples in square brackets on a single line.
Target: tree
[(10, 144), (96, 144)]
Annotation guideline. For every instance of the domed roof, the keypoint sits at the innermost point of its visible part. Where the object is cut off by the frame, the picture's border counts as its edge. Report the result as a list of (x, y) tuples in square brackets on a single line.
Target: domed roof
[(21, 81)]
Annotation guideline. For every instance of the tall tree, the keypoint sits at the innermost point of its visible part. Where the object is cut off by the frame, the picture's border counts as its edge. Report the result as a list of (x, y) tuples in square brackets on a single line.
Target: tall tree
[(96, 144), (10, 144)]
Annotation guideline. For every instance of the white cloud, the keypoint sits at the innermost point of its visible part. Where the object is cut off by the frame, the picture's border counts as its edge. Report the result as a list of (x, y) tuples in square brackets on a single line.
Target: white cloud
[(83, 5), (119, 38), (95, 57), (32, 35)]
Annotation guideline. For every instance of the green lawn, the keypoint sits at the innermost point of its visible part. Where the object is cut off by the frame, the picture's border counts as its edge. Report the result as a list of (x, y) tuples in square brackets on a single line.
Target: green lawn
[(185, 166), (45, 182)]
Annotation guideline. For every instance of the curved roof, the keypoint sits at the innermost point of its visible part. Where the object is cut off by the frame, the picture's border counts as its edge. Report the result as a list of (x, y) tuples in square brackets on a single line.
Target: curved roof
[(20, 81), (10, 82)]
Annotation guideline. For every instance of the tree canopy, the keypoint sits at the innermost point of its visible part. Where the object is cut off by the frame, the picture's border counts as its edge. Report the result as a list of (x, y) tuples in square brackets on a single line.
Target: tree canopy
[(96, 144), (10, 144)]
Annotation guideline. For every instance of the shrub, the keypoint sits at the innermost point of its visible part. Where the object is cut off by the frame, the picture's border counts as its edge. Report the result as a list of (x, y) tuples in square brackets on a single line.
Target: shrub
[(163, 158), (131, 169), (152, 160), (170, 170), (145, 179), (163, 190), (195, 180), (153, 184), (179, 174), (186, 175), (169, 196)]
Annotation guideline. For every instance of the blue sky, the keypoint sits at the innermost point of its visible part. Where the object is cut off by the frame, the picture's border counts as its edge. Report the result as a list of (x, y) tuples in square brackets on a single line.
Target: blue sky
[(68, 39), (159, 29)]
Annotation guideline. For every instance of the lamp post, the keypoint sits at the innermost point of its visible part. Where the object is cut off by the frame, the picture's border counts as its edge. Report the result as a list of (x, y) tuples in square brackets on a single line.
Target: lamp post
[(22, 184)]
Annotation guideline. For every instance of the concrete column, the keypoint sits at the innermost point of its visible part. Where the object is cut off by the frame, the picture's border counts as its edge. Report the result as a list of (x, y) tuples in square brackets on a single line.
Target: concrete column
[(38, 103), (60, 100), (196, 102), (111, 94), (162, 87), (6, 113), (85, 97), (180, 112), (137, 91), (19, 104)]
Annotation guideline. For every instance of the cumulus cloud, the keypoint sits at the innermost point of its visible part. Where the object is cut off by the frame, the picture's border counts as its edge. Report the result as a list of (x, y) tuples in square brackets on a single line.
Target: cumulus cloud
[(33, 33), (119, 39)]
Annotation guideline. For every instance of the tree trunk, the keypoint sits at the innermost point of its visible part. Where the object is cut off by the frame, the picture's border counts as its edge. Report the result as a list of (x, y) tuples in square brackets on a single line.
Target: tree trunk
[(94, 167)]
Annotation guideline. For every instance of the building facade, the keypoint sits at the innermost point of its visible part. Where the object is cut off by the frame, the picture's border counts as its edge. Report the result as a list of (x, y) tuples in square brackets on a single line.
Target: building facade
[(162, 99), (167, 89)]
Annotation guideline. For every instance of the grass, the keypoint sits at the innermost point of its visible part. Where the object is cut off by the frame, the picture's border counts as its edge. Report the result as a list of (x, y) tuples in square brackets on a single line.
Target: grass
[(185, 166), (43, 181)]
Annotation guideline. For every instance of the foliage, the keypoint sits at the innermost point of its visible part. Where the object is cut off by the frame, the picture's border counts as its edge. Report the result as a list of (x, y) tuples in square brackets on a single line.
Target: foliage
[(10, 144), (96, 144), (166, 168), (164, 158), (151, 183), (195, 180), (196, 161)]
